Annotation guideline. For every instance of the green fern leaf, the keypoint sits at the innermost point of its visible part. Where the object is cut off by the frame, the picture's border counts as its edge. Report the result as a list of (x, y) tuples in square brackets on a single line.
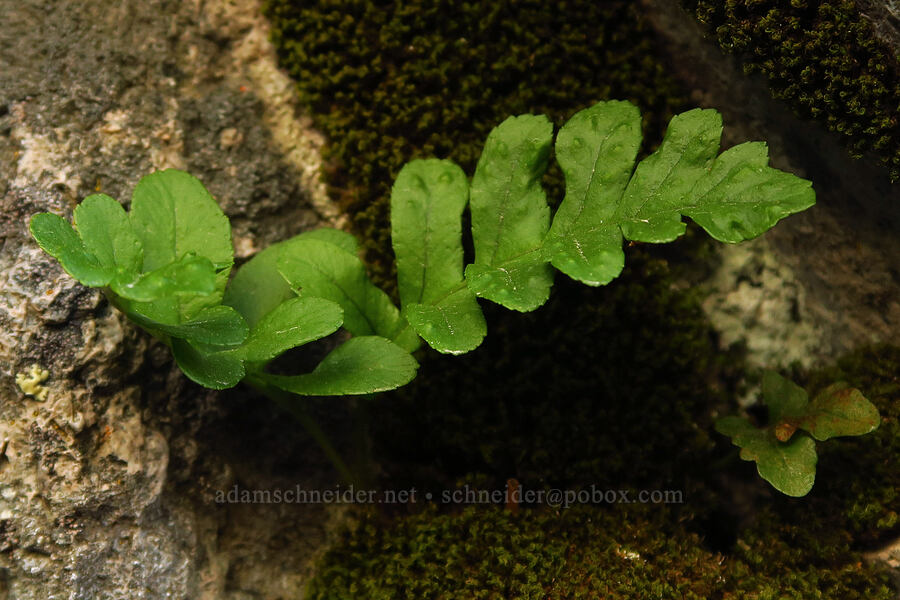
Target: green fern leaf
[(510, 215), (734, 196), (427, 202)]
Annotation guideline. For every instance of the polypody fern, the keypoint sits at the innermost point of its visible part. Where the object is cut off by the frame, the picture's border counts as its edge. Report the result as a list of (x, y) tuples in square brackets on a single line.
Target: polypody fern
[(166, 264)]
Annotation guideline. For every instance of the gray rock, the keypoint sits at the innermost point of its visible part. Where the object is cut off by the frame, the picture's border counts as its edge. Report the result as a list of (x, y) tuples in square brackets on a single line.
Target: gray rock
[(109, 471), (884, 15)]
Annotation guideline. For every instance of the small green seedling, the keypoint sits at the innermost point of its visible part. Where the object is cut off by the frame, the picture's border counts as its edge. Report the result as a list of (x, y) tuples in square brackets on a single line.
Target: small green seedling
[(166, 264), (784, 450)]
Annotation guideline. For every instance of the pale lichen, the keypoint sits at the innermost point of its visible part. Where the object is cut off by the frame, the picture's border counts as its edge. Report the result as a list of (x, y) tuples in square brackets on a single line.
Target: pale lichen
[(31, 383)]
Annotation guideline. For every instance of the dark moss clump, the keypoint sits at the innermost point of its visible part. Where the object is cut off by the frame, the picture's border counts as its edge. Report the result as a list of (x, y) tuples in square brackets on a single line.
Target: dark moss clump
[(489, 553), (607, 386), (823, 58), (389, 81), (581, 552), (778, 559)]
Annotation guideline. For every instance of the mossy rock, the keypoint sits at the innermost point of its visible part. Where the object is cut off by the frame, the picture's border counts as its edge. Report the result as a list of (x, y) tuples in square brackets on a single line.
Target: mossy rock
[(631, 553), (824, 59), (388, 82)]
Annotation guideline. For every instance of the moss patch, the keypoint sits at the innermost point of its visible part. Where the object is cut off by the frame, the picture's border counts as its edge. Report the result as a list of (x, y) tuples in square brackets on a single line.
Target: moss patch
[(388, 81), (823, 58), (582, 552)]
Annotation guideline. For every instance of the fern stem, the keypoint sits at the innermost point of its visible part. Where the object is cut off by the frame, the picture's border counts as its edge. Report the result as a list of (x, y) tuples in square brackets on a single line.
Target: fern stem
[(292, 404)]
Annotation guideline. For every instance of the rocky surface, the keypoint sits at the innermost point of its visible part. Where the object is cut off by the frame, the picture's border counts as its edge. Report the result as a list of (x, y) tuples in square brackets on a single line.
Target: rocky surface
[(109, 469)]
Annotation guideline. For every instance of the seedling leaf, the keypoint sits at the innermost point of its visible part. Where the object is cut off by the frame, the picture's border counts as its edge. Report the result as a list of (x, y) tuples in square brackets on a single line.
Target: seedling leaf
[(789, 466), (189, 275), (742, 197), (840, 410), (107, 234), (323, 270), (257, 287), (785, 456), (736, 196), (596, 149), (453, 325), (174, 216), (361, 365), (650, 210), (57, 238), (215, 326), (343, 240), (427, 202), (784, 398), (218, 370)]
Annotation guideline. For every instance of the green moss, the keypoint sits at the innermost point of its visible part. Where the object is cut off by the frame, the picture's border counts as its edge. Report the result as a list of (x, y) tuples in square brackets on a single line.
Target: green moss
[(389, 81), (785, 560), (823, 58), (582, 552)]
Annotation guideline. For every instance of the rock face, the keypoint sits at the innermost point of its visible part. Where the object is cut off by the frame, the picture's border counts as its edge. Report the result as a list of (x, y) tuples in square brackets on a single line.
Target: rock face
[(109, 469)]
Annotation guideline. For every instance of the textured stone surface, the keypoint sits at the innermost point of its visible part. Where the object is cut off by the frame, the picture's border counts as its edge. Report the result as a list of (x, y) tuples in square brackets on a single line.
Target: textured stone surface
[(821, 282), (107, 486)]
